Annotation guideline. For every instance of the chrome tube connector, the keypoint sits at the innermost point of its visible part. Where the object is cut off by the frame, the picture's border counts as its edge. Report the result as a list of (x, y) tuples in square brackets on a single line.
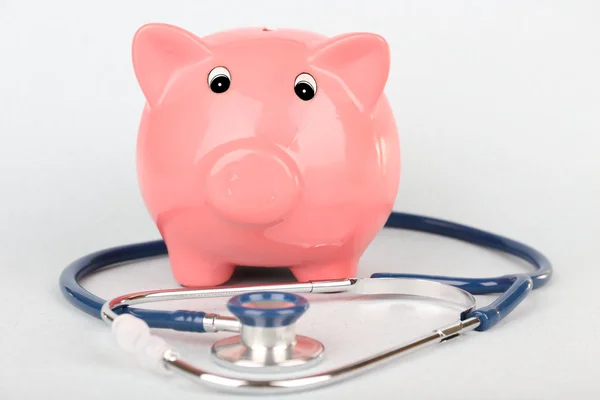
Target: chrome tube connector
[(216, 323)]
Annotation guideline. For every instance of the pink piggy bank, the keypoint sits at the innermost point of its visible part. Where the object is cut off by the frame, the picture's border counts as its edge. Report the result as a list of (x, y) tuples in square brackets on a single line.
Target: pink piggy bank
[(265, 148)]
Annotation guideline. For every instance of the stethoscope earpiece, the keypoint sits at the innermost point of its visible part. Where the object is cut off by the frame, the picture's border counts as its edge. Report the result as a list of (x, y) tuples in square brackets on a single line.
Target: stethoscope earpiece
[(265, 315)]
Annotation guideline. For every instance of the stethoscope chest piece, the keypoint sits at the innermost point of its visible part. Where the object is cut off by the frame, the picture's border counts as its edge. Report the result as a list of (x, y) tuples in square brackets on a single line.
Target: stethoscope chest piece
[(267, 342)]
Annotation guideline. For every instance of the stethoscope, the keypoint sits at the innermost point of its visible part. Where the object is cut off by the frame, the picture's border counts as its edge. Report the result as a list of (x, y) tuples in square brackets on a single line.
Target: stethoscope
[(264, 316)]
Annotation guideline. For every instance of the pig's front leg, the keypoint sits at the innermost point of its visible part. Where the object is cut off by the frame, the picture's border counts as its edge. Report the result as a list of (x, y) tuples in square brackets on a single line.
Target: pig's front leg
[(194, 269), (339, 269)]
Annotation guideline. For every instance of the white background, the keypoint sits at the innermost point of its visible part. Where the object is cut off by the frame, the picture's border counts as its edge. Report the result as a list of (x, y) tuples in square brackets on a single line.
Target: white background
[(497, 104)]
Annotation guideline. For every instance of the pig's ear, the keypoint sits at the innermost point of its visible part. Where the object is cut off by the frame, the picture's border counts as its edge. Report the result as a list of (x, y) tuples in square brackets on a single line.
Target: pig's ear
[(361, 61), (160, 52)]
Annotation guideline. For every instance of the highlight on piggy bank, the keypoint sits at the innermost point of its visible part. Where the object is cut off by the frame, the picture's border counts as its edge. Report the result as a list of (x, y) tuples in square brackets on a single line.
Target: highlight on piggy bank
[(265, 148)]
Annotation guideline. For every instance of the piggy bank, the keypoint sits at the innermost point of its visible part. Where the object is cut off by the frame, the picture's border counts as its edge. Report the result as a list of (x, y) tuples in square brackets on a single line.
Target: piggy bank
[(264, 148)]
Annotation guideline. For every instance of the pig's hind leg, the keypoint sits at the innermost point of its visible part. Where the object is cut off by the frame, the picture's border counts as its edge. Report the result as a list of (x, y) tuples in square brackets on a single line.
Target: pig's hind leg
[(339, 269), (194, 269)]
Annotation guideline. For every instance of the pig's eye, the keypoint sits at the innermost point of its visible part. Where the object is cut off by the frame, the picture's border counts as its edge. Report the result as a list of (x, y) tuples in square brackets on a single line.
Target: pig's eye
[(305, 86), (219, 79)]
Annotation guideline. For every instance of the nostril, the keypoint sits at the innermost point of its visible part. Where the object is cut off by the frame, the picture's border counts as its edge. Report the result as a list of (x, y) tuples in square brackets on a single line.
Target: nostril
[(266, 30)]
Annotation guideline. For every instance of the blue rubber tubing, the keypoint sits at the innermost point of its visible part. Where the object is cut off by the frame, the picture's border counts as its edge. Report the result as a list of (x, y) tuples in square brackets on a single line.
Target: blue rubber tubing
[(513, 288)]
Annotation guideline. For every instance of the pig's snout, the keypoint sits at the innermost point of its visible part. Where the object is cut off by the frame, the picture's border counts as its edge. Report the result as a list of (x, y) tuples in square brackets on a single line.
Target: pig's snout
[(253, 186)]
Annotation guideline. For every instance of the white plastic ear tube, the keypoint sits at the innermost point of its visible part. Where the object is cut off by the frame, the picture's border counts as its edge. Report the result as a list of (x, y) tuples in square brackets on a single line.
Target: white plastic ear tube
[(133, 336)]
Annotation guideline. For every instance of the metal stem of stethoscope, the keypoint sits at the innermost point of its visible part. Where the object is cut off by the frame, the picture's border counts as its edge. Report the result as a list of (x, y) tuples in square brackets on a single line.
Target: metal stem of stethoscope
[(172, 361)]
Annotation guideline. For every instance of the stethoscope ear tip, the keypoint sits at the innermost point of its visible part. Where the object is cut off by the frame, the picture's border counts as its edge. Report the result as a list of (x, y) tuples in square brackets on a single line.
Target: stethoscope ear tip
[(133, 335)]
